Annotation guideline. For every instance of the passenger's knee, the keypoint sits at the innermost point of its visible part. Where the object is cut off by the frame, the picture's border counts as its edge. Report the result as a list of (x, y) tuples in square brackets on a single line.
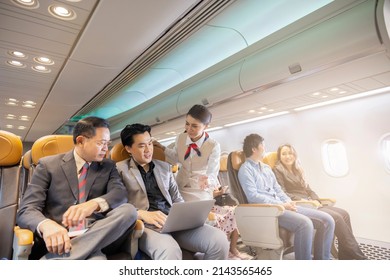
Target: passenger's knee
[(172, 252), (306, 224), (328, 222), (221, 243)]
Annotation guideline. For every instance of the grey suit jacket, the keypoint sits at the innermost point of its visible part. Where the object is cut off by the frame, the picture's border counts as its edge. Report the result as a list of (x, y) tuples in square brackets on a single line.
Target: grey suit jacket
[(54, 188), (135, 185)]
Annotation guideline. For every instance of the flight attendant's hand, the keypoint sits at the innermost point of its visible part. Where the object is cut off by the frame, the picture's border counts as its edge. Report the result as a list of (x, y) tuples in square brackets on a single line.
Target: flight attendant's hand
[(203, 182)]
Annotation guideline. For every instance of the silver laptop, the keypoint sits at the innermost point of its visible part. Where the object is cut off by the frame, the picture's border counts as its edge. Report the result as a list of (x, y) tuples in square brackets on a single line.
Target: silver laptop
[(185, 215)]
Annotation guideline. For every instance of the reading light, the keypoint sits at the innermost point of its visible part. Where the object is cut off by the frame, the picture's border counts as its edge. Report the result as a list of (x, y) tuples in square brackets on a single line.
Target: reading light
[(346, 98)]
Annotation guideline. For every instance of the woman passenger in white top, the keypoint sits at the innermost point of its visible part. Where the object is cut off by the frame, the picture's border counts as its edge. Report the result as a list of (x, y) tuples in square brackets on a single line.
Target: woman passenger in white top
[(197, 178)]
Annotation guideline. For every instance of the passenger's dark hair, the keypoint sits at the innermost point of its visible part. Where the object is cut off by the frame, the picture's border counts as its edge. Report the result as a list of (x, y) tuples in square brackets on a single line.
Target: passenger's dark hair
[(250, 142), (133, 129), (87, 127), (201, 113)]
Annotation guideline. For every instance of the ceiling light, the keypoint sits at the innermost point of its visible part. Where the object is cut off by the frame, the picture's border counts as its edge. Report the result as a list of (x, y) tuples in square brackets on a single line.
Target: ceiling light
[(17, 54), (171, 133), (62, 12), (316, 93), (43, 60), (9, 126), (258, 118), (345, 98), (41, 69), (334, 89), (11, 103), (10, 117), (167, 139), (21, 127), (24, 118), (252, 111), (214, 128), (28, 4), (16, 63), (29, 104)]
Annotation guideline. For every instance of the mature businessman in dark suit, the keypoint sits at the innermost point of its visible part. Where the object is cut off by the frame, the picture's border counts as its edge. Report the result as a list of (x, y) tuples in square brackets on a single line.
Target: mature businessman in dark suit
[(54, 201), (152, 189)]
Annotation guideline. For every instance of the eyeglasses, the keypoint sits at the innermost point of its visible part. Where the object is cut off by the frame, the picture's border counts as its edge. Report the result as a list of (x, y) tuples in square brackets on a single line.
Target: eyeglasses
[(100, 143)]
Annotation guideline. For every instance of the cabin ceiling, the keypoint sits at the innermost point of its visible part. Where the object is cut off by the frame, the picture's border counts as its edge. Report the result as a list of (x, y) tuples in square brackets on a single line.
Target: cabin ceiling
[(93, 53), (88, 53)]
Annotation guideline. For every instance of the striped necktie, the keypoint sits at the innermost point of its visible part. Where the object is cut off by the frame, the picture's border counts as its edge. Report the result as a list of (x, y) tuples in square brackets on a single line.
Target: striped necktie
[(82, 182)]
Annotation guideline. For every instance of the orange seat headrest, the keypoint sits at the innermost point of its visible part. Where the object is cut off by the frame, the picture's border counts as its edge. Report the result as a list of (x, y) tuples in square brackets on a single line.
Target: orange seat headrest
[(51, 145), (237, 159), (11, 148)]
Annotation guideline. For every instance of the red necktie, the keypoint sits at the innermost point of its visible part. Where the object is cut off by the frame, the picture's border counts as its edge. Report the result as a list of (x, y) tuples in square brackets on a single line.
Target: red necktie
[(193, 146), (82, 182)]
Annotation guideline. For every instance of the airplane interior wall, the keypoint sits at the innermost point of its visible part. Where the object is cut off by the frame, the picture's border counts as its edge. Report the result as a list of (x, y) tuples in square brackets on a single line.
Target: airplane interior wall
[(360, 124)]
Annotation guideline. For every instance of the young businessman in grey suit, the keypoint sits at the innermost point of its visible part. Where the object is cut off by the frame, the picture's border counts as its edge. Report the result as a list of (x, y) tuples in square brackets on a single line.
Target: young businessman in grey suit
[(152, 189), (53, 202)]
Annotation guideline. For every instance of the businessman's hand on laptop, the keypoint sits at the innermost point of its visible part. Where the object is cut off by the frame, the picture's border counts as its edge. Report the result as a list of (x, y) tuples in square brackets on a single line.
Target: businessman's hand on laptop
[(156, 218)]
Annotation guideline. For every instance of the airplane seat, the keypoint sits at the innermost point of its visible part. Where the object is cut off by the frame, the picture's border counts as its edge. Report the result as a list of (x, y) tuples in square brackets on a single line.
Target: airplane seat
[(226, 198), (11, 149), (46, 146), (266, 235), (222, 174)]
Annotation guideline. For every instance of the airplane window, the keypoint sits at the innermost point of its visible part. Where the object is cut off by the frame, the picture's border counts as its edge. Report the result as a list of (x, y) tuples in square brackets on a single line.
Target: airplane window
[(385, 150), (334, 158)]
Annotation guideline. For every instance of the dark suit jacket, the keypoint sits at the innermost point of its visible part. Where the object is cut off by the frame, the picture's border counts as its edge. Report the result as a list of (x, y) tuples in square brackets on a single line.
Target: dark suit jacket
[(54, 188), (292, 185), (135, 185)]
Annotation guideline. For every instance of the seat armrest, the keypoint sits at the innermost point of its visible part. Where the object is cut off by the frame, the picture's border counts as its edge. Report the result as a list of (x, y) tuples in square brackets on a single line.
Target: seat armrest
[(327, 201), (308, 203), (258, 225), (271, 210), (136, 234), (23, 242)]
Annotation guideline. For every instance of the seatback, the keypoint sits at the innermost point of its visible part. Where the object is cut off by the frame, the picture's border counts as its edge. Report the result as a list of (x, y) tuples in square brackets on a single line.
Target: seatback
[(25, 172), (235, 159), (227, 198), (223, 174), (270, 159), (11, 149)]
